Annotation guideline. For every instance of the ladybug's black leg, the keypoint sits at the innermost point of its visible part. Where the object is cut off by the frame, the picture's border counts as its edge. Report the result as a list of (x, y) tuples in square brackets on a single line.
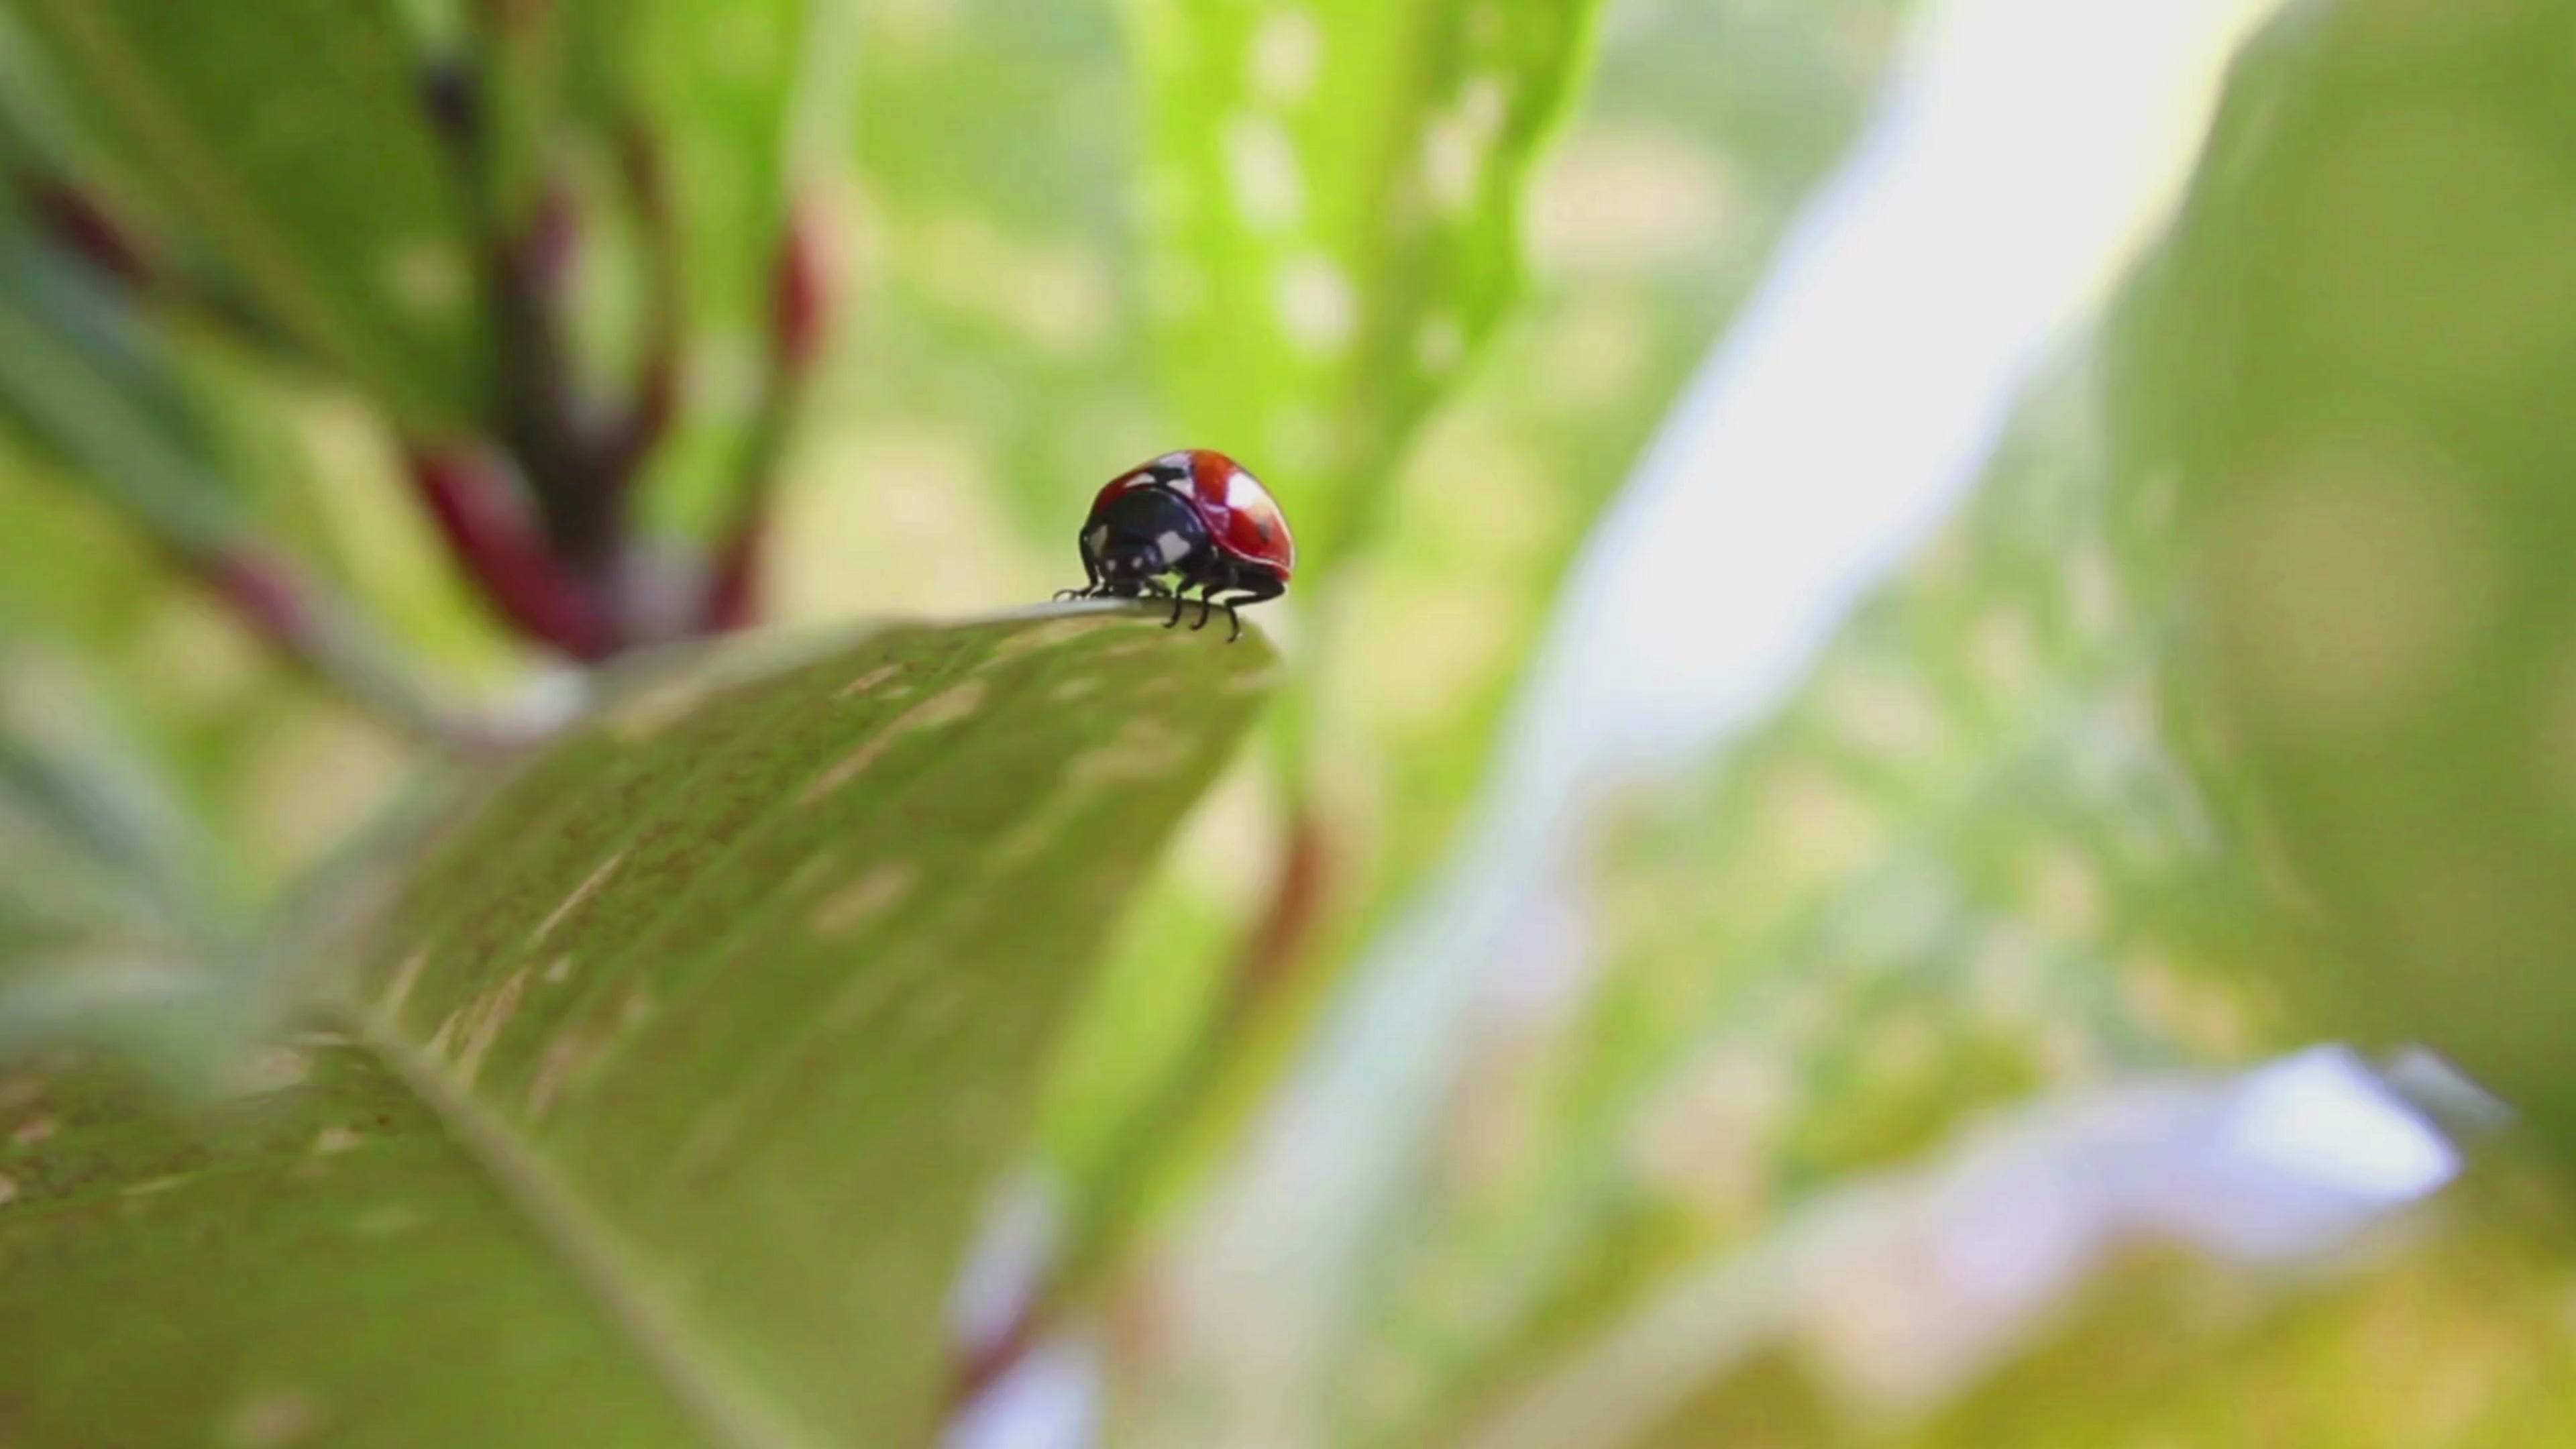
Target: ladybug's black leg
[(1249, 589), (1207, 601), (1232, 619)]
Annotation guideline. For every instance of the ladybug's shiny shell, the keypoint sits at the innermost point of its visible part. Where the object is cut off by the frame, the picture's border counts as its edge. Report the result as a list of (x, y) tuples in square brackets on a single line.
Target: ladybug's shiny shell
[(1196, 517), (1241, 518)]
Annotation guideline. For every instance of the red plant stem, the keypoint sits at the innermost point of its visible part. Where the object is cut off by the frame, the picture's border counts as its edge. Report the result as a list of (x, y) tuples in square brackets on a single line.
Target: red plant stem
[(985, 1363), (733, 586), (657, 385), (507, 559), (83, 227), (800, 299), (1262, 969), (732, 599), (550, 568), (1270, 954), (448, 93), (800, 315), (538, 415), (272, 602)]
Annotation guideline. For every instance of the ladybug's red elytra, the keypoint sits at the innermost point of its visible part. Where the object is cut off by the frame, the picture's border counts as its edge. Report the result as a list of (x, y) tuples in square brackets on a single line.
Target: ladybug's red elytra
[(1197, 516)]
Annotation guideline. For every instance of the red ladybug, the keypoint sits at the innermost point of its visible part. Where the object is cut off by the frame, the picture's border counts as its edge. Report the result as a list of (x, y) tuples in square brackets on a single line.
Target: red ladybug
[(1198, 516)]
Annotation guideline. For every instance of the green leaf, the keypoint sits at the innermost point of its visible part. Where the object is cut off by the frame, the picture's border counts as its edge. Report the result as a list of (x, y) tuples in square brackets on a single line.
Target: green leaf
[(1333, 196), (298, 150), (995, 318), (2373, 1351), (85, 383), (1719, 118), (661, 1102), (118, 920), (2350, 469), (94, 798), (1955, 871), (99, 856), (744, 106), (2115, 1269)]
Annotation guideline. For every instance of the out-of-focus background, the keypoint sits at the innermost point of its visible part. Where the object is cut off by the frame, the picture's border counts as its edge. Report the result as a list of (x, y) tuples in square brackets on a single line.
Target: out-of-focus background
[(1923, 787)]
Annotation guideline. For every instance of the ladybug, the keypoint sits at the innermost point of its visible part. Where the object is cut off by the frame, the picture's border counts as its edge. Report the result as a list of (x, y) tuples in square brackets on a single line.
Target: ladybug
[(1198, 516)]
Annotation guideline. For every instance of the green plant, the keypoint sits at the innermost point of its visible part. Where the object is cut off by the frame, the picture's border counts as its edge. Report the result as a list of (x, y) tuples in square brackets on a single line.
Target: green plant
[(692, 1042), (457, 978)]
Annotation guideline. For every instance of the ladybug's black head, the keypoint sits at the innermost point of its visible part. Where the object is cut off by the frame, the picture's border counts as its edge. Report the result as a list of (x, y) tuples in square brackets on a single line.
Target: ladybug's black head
[(1141, 534)]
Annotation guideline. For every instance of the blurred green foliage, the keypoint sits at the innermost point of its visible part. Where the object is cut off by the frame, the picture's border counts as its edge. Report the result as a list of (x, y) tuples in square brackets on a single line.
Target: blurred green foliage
[(1331, 197), (1650, 227), (298, 155), (2226, 716), (2346, 438), (1953, 873)]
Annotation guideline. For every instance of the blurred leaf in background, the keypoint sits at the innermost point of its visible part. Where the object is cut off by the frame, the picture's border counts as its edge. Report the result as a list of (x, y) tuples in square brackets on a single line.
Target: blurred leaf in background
[(728, 126), (2146, 1264), (1647, 225), (2348, 450), (1332, 198), (117, 437), (2077, 890), (299, 152), (995, 370), (2454, 1332), (1953, 873), (104, 861)]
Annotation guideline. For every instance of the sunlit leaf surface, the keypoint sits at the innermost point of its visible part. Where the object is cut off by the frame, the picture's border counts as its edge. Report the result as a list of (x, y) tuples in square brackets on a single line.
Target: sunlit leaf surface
[(660, 1105)]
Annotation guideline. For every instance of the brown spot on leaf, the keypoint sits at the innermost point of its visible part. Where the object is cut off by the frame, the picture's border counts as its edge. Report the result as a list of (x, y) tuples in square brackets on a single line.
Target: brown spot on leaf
[(406, 976), (273, 1419), (870, 680), (484, 1019), (944, 708), (1143, 749), (580, 893), (564, 1058), (273, 1071), (1047, 635), (646, 714), (874, 893)]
